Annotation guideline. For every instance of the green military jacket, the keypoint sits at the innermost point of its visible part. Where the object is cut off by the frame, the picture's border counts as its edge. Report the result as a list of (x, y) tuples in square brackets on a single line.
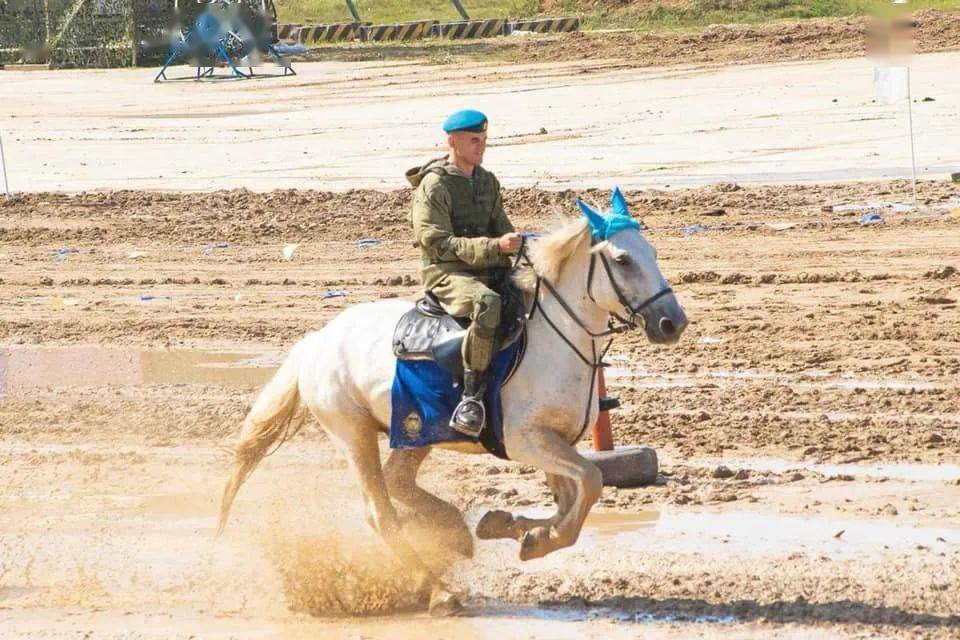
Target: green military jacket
[(457, 223)]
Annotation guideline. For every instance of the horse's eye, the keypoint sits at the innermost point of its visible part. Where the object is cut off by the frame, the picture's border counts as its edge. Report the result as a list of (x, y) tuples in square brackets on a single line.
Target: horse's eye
[(623, 259)]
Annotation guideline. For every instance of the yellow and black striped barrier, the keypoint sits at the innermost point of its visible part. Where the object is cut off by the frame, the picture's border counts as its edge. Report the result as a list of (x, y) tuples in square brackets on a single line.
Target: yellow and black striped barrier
[(400, 31), (414, 30), (465, 29), (328, 32), (377, 32), (288, 31), (546, 25), (458, 30)]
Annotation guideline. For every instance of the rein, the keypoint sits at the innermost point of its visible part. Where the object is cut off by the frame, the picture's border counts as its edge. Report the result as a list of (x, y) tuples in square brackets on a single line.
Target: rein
[(595, 361)]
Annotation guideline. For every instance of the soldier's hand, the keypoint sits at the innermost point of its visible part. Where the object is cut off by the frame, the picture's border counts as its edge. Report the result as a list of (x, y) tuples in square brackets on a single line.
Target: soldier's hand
[(509, 243)]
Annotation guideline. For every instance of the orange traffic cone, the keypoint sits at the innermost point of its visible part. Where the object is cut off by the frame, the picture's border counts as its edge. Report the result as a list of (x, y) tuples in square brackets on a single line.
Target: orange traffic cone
[(602, 436)]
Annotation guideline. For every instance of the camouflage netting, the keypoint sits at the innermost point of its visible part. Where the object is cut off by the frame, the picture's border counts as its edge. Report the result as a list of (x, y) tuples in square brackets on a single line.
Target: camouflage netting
[(82, 33)]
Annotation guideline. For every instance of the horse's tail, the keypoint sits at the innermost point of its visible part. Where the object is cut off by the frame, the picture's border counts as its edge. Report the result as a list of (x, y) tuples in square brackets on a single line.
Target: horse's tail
[(272, 418)]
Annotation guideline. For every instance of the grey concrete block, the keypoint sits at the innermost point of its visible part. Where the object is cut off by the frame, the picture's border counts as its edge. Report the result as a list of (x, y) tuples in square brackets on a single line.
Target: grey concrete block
[(631, 466)]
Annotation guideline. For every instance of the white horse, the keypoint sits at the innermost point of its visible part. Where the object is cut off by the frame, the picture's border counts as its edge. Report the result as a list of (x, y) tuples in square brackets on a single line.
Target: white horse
[(344, 374)]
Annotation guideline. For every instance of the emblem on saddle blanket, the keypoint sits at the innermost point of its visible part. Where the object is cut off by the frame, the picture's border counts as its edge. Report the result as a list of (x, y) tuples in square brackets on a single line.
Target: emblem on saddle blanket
[(412, 425)]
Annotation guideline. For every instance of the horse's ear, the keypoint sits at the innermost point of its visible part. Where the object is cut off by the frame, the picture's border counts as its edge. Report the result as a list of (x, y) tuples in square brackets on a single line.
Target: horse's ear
[(597, 222), (618, 204)]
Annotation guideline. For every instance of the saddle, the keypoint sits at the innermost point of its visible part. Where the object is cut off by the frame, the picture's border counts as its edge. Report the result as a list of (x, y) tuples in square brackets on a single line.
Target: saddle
[(427, 332)]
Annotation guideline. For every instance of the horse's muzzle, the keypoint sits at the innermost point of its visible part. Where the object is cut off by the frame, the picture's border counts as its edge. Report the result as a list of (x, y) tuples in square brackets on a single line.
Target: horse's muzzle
[(664, 321)]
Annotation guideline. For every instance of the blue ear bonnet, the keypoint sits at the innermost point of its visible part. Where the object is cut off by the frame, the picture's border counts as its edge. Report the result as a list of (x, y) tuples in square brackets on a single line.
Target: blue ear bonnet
[(602, 227)]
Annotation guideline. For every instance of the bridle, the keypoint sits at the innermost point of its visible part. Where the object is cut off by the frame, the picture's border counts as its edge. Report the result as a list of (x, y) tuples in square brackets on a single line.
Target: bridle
[(625, 323), (595, 361)]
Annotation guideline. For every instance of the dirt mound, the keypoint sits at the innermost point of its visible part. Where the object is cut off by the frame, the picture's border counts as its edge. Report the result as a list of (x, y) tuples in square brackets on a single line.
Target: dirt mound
[(240, 215), (233, 215), (812, 39), (725, 44), (559, 7)]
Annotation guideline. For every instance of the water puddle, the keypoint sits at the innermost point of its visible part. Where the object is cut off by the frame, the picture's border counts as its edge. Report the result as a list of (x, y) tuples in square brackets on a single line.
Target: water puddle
[(180, 506), (641, 379), (750, 534), (25, 368), (912, 472), (478, 623), (559, 613), (606, 523), (178, 452), (302, 453), (896, 207), (745, 533)]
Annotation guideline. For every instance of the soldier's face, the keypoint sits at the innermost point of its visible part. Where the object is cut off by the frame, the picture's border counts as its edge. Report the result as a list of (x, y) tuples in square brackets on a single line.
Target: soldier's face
[(468, 146)]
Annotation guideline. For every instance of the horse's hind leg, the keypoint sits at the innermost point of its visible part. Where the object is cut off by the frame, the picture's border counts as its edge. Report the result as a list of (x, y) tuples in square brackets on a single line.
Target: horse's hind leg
[(499, 524), (360, 447), (400, 472)]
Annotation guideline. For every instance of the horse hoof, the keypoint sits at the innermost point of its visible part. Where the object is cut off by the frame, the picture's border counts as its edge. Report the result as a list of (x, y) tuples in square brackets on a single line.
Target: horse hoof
[(444, 604), (535, 544), (494, 525)]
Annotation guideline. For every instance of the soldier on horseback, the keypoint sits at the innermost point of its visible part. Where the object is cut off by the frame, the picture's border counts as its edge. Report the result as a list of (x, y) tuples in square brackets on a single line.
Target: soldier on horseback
[(466, 239)]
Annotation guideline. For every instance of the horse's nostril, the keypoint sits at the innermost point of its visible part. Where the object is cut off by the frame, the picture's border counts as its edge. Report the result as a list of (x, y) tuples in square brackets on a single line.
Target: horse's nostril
[(667, 326)]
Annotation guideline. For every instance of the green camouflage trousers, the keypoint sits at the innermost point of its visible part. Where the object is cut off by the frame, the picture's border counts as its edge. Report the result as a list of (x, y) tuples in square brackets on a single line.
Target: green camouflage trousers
[(467, 295)]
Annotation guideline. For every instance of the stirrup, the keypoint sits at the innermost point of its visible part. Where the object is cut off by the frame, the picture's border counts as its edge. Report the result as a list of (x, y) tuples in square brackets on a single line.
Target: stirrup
[(469, 429)]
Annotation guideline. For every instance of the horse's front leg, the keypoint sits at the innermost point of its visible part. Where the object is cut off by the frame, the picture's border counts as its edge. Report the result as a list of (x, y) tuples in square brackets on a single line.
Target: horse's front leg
[(544, 448), (503, 524)]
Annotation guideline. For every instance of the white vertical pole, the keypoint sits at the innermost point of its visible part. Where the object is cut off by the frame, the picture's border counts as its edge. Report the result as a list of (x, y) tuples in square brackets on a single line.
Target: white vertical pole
[(913, 153), (3, 161)]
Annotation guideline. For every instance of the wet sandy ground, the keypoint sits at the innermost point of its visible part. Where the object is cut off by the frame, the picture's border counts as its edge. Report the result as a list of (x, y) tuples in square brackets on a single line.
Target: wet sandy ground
[(806, 425), (117, 540), (345, 125)]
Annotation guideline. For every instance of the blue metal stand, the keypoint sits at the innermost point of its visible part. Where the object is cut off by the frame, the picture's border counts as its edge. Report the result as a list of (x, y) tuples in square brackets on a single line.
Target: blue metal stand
[(206, 40)]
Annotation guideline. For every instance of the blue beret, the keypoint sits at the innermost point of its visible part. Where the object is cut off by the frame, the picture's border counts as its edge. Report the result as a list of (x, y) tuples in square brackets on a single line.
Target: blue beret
[(466, 120)]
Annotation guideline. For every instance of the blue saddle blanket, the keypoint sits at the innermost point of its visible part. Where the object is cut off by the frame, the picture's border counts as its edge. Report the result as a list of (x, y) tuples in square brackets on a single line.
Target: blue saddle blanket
[(424, 396)]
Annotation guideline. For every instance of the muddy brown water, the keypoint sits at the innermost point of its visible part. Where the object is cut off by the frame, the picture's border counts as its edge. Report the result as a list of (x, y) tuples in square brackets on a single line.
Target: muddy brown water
[(26, 368), (942, 472)]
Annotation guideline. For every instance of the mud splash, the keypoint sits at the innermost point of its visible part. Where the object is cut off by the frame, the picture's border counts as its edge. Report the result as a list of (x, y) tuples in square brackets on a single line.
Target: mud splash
[(338, 567), (330, 575)]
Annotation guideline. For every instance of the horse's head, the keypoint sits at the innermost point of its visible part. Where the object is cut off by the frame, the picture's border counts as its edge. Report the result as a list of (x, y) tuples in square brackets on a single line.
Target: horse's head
[(625, 279)]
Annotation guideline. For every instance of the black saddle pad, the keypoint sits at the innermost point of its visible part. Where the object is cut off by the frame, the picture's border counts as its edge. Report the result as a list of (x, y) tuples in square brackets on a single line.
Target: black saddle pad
[(427, 332)]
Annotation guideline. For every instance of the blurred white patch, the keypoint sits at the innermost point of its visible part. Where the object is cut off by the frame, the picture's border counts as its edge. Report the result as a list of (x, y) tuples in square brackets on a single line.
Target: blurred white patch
[(890, 84), (288, 251), (781, 226), (60, 303)]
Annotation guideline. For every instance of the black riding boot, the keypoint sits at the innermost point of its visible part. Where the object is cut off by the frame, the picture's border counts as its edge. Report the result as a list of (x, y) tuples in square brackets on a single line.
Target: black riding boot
[(470, 415)]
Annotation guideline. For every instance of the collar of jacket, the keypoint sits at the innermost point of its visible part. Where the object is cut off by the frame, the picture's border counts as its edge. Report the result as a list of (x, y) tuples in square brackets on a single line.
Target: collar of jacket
[(438, 165)]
